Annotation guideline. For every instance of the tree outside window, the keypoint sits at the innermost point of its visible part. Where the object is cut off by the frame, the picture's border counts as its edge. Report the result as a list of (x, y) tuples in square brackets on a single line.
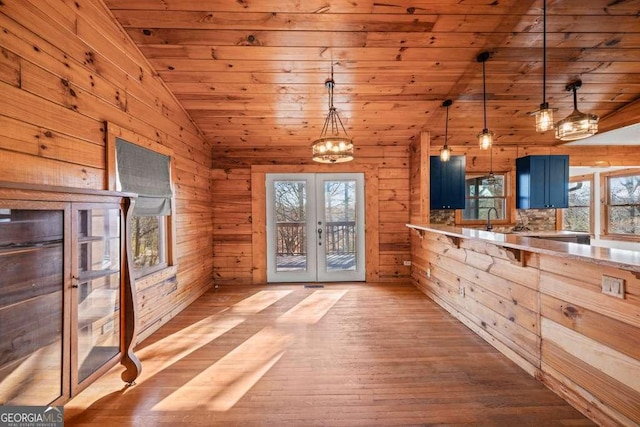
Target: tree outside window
[(482, 194), (147, 241), (623, 203), (577, 217)]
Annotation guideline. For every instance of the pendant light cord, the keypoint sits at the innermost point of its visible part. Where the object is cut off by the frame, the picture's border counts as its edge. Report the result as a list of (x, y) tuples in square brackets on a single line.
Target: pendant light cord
[(446, 127), (544, 51), (330, 85), (484, 95)]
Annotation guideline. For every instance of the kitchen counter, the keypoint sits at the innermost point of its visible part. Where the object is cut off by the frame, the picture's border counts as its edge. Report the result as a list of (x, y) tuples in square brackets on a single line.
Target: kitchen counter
[(553, 233), (619, 258), (547, 305), (558, 235)]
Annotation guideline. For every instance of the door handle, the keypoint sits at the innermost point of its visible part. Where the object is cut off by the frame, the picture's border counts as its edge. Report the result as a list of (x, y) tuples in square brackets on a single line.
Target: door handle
[(319, 236)]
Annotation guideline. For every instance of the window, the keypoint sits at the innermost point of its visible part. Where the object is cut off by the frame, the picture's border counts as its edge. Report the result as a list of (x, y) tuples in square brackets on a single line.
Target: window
[(144, 168), (148, 243), (622, 203), (482, 194), (577, 217)]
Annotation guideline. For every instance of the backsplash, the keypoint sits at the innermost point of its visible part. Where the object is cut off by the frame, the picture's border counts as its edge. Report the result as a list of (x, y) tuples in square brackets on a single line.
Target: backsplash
[(537, 219), (443, 216), (532, 219)]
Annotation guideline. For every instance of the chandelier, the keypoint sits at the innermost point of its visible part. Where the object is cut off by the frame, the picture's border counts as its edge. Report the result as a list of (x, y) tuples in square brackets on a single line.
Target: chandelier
[(333, 146), (577, 125)]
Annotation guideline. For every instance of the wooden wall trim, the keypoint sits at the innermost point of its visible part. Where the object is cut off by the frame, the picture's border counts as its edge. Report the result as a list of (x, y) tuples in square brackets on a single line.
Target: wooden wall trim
[(259, 226)]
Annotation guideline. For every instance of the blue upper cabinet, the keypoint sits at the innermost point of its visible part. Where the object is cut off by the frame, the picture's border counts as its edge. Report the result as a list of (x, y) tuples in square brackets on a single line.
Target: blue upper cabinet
[(447, 183), (542, 182)]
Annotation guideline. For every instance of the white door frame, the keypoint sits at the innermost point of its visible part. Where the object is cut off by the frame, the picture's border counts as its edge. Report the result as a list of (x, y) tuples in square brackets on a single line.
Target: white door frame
[(316, 268)]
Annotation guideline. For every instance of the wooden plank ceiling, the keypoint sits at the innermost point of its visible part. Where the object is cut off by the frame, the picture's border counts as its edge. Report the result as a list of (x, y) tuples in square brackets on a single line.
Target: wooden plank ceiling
[(253, 71)]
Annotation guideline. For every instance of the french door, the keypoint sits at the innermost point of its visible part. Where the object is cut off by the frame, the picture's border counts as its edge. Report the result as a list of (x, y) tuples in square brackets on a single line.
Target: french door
[(315, 227)]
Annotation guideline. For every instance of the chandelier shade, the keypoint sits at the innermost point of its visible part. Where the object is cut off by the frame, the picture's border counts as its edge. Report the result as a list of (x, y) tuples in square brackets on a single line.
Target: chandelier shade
[(577, 125), (544, 117), (334, 144), (485, 139)]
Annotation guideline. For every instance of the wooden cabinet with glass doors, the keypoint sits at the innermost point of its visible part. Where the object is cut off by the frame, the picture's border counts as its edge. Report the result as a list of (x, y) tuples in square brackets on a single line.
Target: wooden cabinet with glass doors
[(66, 303)]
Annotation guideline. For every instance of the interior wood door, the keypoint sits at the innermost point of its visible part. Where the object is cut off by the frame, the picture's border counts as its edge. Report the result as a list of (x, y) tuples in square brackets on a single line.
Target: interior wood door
[(315, 227)]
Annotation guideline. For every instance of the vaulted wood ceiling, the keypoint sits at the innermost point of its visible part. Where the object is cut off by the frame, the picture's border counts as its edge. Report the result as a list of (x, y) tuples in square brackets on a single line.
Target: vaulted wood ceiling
[(253, 71)]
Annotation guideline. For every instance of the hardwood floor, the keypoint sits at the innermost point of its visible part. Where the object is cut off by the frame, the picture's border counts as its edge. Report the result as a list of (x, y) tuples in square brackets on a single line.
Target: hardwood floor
[(345, 354)]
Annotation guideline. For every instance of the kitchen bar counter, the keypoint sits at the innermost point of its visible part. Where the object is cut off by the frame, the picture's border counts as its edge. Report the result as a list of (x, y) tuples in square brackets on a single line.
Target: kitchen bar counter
[(619, 258), (566, 313)]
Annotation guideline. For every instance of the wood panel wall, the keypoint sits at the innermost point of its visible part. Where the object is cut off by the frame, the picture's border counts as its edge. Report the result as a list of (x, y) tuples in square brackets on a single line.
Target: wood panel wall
[(66, 68), (480, 285), (238, 246), (591, 341)]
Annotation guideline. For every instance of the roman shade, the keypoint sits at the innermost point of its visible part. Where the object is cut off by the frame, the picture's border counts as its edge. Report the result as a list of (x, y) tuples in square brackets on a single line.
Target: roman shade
[(147, 174)]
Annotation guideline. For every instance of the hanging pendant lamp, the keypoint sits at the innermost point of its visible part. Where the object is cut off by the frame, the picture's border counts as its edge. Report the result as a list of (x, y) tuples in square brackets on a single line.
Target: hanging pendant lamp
[(485, 138), (491, 178), (577, 125), (544, 116), (445, 151), (333, 146)]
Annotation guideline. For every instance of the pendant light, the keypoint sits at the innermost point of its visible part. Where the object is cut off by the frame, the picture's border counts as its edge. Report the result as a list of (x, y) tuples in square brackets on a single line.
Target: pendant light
[(445, 151), (544, 116), (491, 178), (577, 125), (485, 138), (332, 146)]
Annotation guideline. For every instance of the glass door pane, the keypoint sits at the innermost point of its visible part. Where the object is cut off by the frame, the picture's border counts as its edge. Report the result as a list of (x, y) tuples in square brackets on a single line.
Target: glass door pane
[(341, 216), (31, 305), (340, 224), (98, 293), (291, 225), (291, 254)]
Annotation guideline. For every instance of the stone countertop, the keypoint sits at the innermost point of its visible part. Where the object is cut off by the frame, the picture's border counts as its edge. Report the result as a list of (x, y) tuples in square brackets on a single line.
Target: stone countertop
[(618, 258), (549, 233)]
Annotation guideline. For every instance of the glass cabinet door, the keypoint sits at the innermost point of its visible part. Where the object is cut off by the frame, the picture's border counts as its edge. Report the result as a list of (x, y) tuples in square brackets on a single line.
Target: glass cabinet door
[(97, 282), (32, 281)]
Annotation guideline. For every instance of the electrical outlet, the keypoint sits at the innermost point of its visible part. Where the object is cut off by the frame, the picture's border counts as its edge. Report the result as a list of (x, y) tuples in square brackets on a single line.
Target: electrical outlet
[(428, 272), (461, 291), (107, 327), (406, 263), (613, 286)]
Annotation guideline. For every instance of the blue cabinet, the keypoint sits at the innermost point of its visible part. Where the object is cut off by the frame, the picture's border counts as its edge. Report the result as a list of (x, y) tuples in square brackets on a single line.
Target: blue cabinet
[(447, 183), (542, 182)]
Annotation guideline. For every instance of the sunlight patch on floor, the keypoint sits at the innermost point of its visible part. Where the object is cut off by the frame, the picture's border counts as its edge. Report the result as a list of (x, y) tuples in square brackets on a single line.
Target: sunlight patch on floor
[(168, 351), (220, 386), (258, 302), (313, 308)]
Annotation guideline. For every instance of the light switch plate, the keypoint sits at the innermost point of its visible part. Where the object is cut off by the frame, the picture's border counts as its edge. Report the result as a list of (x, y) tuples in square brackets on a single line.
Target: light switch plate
[(613, 286)]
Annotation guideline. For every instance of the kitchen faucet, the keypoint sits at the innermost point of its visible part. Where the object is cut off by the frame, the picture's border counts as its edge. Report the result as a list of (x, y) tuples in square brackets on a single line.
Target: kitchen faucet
[(489, 226)]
